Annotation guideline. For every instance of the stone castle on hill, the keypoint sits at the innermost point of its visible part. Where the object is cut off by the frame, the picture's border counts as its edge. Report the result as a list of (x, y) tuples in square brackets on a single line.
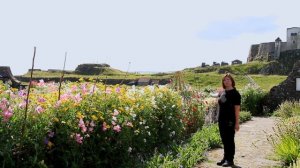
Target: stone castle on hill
[(271, 51)]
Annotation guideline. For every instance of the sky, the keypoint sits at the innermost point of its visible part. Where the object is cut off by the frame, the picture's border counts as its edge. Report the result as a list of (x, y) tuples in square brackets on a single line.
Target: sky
[(139, 35)]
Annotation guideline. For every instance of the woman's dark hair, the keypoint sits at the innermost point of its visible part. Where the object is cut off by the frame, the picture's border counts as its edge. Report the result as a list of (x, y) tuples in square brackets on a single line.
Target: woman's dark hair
[(227, 75)]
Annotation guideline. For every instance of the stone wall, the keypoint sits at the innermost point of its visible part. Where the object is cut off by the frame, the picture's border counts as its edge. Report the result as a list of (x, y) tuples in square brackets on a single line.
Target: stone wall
[(253, 52), (285, 90)]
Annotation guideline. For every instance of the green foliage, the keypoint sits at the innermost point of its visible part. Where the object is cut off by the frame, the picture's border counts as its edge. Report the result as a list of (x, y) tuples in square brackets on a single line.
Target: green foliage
[(288, 109), (288, 149), (188, 154), (252, 98), (213, 80), (286, 140), (295, 164), (245, 116)]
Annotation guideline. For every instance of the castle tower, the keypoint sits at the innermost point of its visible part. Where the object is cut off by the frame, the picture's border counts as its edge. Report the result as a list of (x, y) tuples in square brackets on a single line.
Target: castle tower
[(293, 38), (277, 48)]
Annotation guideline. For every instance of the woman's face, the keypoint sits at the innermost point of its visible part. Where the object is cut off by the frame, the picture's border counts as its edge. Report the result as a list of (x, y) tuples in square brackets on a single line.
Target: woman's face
[(227, 82)]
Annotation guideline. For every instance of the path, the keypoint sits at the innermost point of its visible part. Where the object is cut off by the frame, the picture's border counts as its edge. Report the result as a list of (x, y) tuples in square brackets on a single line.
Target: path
[(252, 147)]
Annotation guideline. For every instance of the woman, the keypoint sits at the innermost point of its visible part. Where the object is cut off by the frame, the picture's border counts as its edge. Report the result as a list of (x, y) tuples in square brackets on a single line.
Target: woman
[(229, 102)]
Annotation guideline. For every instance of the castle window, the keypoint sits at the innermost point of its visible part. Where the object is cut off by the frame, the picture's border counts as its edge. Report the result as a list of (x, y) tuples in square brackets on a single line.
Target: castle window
[(294, 42), (293, 34)]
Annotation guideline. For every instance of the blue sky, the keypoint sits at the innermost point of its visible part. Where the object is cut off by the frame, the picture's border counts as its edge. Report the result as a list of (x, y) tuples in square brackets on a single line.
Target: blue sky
[(156, 35)]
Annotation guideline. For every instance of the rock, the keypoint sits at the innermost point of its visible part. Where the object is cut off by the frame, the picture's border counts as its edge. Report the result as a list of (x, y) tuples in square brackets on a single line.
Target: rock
[(91, 69), (285, 90)]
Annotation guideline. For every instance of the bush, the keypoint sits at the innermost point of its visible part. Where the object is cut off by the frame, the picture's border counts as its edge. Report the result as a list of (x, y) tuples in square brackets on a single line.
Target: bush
[(286, 140), (188, 154), (245, 116), (288, 109), (252, 99), (295, 164)]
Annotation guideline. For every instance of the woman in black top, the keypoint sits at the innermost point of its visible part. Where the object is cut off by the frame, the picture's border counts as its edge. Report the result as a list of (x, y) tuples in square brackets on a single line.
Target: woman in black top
[(229, 102)]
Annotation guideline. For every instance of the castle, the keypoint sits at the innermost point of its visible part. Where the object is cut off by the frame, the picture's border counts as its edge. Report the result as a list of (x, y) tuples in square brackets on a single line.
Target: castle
[(271, 50)]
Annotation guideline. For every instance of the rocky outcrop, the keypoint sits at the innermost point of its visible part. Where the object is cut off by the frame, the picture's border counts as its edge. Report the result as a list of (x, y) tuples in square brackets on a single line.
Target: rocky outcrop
[(7, 77), (274, 68), (285, 90), (91, 69)]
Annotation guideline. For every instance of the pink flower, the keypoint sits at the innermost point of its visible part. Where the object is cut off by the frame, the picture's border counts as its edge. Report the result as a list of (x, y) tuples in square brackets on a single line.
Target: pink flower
[(3, 104), (22, 105), (78, 138), (65, 96), (104, 126), (91, 129), (108, 90), (118, 89), (51, 134), (116, 112), (113, 123), (22, 93), (129, 124), (84, 89), (7, 114), (117, 128), (92, 124), (57, 104), (82, 126), (39, 109), (41, 100), (77, 98), (41, 83), (74, 88)]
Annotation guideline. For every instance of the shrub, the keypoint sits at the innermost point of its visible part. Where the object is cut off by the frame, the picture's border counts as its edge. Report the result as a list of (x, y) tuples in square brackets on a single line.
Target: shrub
[(288, 109), (188, 154), (286, 140), (295, 164), (245, 116), (252, 99)]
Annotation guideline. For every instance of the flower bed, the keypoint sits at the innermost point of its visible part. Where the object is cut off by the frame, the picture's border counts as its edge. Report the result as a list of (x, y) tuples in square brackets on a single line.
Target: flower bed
[(92, 125)]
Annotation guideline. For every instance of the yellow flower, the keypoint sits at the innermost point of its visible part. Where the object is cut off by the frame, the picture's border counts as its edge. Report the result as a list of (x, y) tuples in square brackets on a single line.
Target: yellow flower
[(94, 118), (55, 119), (50, 145), (79, 115)]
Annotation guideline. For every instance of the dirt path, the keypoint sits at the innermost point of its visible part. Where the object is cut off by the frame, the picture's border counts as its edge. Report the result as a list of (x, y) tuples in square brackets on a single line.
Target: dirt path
[(252, 146)]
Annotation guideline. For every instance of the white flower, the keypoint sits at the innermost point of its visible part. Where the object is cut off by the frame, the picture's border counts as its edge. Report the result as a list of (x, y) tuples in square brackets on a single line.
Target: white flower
[(149, 133), (170, 117), (136, 132), (145, 140), (146, 127), (129, 149), (173, 106)]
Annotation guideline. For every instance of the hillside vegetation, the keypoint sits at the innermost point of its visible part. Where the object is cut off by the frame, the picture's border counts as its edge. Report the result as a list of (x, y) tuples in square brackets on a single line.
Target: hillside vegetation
[(208, 77)]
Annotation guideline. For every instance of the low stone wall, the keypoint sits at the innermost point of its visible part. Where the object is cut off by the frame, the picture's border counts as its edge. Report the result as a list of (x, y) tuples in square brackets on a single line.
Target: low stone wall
[(107, 81)]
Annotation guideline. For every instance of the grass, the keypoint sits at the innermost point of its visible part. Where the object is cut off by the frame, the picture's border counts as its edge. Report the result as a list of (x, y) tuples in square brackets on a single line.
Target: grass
[(109, 74), (213, 80)]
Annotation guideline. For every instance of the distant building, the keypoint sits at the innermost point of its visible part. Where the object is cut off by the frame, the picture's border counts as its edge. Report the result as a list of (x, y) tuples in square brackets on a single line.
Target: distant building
[(235, 62), (224, 63), (216, 64), (204, 65)]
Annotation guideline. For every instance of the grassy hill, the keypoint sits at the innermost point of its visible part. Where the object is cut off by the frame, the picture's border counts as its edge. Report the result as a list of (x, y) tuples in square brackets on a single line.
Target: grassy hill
[(211, 76), (213, 80)]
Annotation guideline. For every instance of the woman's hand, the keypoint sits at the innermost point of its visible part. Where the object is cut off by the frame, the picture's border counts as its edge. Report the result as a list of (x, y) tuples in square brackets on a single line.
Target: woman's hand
[(237, 127)]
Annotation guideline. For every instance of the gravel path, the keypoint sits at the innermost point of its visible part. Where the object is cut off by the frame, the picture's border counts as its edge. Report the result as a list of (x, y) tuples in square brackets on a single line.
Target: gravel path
[(252, 147)]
